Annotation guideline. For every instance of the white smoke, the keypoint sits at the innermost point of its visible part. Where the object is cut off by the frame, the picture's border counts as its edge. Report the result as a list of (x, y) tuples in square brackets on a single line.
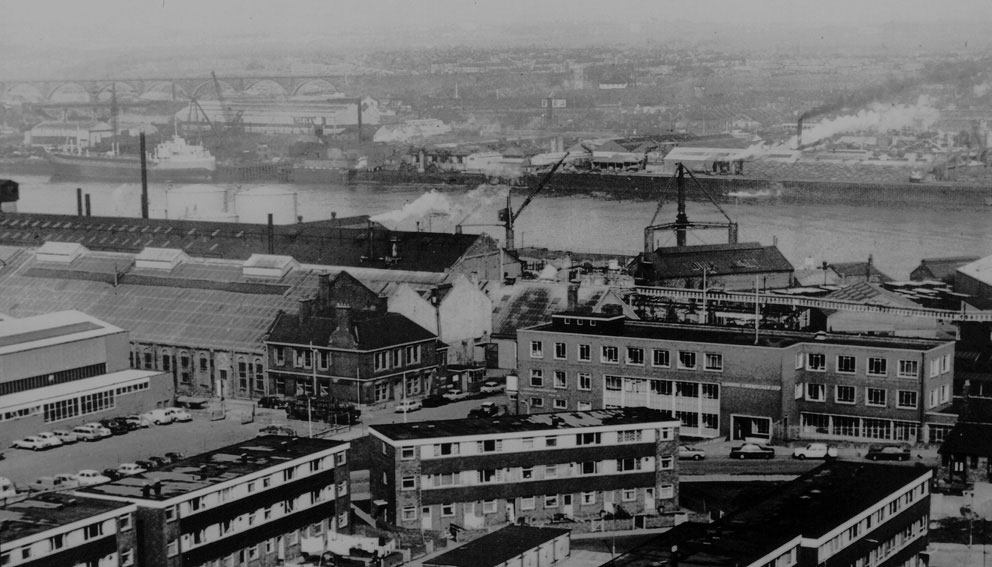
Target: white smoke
[(878, 118), (440, 212)]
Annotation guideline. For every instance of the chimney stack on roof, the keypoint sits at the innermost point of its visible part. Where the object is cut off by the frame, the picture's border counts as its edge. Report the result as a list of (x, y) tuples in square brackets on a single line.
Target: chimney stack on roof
[(342, 336), (306, 309), (573, 297), (323, 292)]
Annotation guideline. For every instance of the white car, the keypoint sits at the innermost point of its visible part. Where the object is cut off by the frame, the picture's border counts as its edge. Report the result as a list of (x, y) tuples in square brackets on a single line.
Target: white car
[(65, 436), (138, 420), (158, 416), (32, 442), (687, 452), (89, 433), (128, 469), (492, 388), (100, 429), (455, 395), (179, 414), (51, 438), (815, 451), (87, 477), (408, 405)]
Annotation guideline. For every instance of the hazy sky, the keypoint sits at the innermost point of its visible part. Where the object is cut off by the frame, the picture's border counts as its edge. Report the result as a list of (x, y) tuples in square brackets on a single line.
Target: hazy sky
[(85, 23)]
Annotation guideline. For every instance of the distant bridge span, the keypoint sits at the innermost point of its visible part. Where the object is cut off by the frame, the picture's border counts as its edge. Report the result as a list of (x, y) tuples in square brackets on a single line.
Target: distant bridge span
[(87, 91)]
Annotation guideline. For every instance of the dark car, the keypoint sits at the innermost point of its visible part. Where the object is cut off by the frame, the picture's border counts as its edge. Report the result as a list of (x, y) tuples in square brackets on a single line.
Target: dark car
[(271, 402), (888, 453), (277, 430), (434, 401), (112, 474), (752, 451), (116, 425), (159, 461), (146, 464), (174, 456)]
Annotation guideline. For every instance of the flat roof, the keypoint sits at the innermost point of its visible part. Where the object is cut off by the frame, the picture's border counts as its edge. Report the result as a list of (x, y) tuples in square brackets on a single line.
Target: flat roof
[(73, 389), (49, 329), (737, 335), (497, 547), (808, 507), (42, 512), (518, 423), (214, 467)]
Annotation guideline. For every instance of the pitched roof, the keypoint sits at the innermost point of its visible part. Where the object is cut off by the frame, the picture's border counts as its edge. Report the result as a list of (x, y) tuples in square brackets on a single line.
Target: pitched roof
[(869, 294), (717, 260), (369, 329), (858, 270), (980, 269), (940, 268)]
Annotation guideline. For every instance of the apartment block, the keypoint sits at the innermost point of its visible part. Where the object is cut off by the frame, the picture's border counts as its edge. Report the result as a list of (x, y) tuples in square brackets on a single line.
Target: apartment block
[(476, 473), (60, 529), (246, 503), (738, 382)]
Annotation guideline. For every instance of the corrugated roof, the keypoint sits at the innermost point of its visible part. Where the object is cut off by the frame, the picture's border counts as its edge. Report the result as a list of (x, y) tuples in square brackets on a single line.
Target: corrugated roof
[(716, 259), (869, 294)]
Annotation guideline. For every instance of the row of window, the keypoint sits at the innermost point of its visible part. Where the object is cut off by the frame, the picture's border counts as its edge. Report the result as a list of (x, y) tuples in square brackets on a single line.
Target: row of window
[(514, 445), (72, 538), (874, 365), (609, 354), (82, 405), (242, 556), (883, 513), (53, 378), (543, 472), (873, 397), (860, 427)]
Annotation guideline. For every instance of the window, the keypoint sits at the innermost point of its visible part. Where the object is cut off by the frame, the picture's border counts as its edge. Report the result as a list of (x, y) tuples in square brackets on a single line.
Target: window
[(666, 491), (613, 383), (339, 458), (800, 360), (875, 397), (934, 367), (560, 351), (381, 361), (628, 494), (711, 420), (585, 381), (588, 438), (661, 358), (488, 476), (609, 355), (876, 366), (537, 377), (584, 406), (447, 510), (527, 503), (666, 463), (588, 497), (488, 506), (816, 393), (172, 548), (629, 436), (490, 445), (550, 441), (342, 488), (816, 362), (844, 394), (127, 558), (560, 404), (409, 483), (407, 453), (57, 541), (687, 360), (906, 399), (124, 522), (846, 364), (527, 473), (550, 471), (412, 354), (714, 362), (687, 389), (945, 393), (395, 358), (635, 356), (625, 465), (585, 353), (537, 402), (536, 349), (342, 519), (945, 363), (443, 449), (551, 501), (170, 513), (410, 513), (710, 391), (561, 382), (323, 359), (909, 368)]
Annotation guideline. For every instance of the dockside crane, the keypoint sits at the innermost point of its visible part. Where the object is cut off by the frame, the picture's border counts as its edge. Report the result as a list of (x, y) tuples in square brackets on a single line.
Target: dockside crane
[(682, 223), (232, 122)]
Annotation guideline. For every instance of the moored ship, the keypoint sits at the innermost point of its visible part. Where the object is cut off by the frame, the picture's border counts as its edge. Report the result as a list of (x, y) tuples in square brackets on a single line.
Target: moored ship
[(172, 160)]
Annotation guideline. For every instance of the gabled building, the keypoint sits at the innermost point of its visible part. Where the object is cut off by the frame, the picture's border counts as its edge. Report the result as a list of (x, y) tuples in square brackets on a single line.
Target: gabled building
[(477, 473), (975, 278), (726, 266), (850, 273), (940, 269), (246, 503)]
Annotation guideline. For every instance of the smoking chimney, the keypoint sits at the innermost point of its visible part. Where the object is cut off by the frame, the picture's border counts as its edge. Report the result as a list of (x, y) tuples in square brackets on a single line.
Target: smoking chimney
[(323, 291), (341, 336)]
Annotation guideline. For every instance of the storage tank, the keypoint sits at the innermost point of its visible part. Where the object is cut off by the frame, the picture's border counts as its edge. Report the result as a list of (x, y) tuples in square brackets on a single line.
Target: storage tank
[(253, 205), (196, 202)]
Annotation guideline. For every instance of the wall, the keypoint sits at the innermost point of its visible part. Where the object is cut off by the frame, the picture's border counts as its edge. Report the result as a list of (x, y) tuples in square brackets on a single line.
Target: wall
[(466, 315), (54, 358)]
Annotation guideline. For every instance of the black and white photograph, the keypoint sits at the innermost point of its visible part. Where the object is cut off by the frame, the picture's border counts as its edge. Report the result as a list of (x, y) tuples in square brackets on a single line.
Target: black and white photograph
[(495, 283)]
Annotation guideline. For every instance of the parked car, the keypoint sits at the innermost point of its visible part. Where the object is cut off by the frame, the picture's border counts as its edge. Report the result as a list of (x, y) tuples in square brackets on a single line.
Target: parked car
[(88, 432), (487, 409), (174, 456), (271, 402), (434, 401), (492, 388), (100, 428), (158, 462), (7, 488), (179, 414), (752, 451), (146, 464), (687, 452), (32, 442), (115, 426), (66, 437), (277, 430), (57, 482), (158, 416), (888, 453), (50, 438), (112, 474), (128, 469), (138, 421), (815, 451), (87, 477), (406, 406), (455, 395)]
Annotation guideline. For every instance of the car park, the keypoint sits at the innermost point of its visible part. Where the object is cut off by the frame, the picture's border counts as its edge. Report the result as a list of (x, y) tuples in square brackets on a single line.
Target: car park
[(815, 451), (158, 416), (128, 469), (179, 414), (87, 477), (492, 388), (687, 452), (138, 421), (50, 438), (31, 442), (454, 395), (752, 451), (277, 430), (66, 437), (888, 453), (406, 406)]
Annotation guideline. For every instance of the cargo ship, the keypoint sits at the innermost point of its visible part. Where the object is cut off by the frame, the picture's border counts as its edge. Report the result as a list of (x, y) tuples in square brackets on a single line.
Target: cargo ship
[(172, 160)]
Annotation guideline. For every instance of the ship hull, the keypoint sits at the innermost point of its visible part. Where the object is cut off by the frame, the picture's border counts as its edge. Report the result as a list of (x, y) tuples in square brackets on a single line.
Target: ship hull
[(124, 169)]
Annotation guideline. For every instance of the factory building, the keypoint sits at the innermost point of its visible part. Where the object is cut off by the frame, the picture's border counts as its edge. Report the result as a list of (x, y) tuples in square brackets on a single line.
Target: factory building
[(723, 266), (736, 382), (478, 473), (247, 503)]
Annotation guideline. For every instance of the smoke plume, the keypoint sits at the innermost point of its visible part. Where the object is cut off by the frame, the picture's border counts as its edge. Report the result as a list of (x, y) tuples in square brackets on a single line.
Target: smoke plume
[(878, 118), (440, 212)]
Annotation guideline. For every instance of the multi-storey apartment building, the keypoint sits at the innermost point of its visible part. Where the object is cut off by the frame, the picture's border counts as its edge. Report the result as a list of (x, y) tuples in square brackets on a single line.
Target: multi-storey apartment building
[(841, 513), (60, 529), (62, 369), (720, 381), (246, 503), (482, 472)]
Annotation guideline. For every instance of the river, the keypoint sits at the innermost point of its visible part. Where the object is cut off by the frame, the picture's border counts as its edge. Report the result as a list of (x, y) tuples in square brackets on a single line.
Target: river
[(897, 237)]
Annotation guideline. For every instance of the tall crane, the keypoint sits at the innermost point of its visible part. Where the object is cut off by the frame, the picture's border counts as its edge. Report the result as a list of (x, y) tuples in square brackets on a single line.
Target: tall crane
[(682, 223), (232, 122)]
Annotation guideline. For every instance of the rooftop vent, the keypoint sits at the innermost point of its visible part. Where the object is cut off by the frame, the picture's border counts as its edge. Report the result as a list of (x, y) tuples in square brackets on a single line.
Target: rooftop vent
[(60, 252), (160, 258)]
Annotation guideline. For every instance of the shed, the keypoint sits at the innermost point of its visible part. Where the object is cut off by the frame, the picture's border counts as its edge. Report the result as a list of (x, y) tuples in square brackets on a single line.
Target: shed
[(512, 546)]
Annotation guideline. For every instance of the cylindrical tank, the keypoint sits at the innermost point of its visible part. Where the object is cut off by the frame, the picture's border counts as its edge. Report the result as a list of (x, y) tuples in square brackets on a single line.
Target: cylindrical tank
[(253, 205), (196, 202)]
